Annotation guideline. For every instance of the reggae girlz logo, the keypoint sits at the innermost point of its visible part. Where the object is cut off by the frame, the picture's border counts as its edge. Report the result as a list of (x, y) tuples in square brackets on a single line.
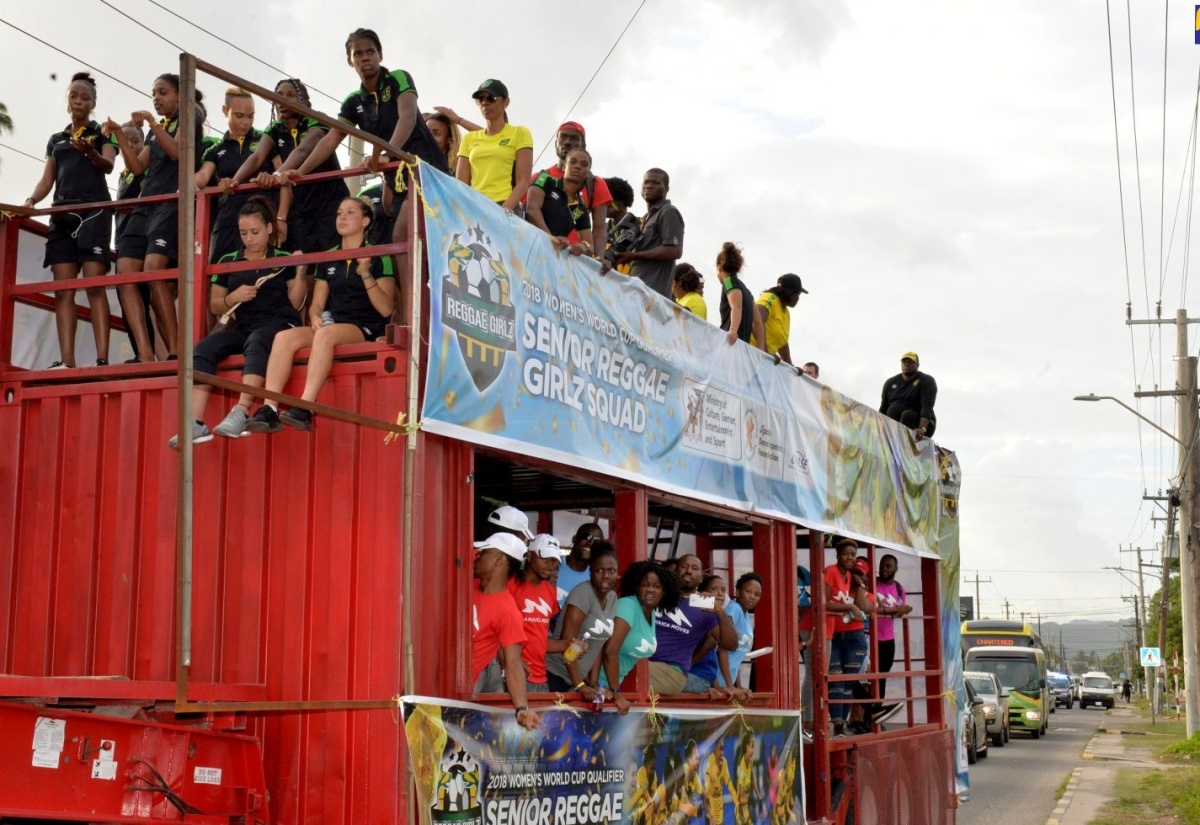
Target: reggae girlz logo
[(477, 305)]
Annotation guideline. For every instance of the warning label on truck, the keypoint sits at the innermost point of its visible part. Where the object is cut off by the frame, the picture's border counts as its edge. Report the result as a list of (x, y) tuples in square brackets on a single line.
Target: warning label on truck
[(207, 776), (48, 738)]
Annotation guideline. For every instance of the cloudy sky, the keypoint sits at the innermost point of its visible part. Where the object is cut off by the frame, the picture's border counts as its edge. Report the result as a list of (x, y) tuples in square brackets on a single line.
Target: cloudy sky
[(942, 175)]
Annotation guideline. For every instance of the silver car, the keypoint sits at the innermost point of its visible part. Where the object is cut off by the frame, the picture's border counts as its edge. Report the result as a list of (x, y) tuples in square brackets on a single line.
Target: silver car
[(995, 704), (974, 726)]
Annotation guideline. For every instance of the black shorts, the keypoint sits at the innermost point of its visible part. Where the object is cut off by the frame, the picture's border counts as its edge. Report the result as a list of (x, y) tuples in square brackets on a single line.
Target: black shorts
[(162, 230), (312, 233), (79, 238), (131, 243), (371, 329)]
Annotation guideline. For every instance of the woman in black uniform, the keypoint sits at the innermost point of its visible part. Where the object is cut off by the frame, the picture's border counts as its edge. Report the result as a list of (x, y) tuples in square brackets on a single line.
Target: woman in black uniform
[(159, 160), (309, 224), (77, 160), (264, 301), (352, 302), (130, 232), (220, 162)]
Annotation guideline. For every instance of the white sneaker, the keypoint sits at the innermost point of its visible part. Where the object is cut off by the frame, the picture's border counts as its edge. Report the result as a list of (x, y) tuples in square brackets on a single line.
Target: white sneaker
[(200, 434)]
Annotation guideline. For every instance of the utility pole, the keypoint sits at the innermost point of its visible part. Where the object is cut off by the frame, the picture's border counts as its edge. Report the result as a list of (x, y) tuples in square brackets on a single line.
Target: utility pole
[(1143, 626), (1007, 615), (978, 607), (1189, 506)]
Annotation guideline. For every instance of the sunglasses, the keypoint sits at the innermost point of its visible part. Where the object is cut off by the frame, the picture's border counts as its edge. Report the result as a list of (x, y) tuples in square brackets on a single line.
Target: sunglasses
[(485, 99)]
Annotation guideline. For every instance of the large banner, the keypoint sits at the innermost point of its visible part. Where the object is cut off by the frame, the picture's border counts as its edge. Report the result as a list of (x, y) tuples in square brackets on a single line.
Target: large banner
[(949, 569), (474, 765), (534, 351)]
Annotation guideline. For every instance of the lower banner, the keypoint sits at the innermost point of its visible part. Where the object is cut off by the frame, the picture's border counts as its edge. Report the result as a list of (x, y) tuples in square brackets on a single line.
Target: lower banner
[(474, 765)]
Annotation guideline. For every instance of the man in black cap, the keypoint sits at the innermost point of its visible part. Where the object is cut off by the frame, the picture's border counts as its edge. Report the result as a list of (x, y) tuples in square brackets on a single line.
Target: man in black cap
[(774, 307), (909, 397)]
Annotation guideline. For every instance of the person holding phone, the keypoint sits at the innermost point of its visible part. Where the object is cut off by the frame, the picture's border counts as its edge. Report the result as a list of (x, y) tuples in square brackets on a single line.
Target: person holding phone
[(682, 631)]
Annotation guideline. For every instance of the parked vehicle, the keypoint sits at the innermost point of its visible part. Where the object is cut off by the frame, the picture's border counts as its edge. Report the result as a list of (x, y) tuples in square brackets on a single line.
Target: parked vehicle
[(1098, 691), (974, 726), (1022, 672), (1062, 690), (995, 704)]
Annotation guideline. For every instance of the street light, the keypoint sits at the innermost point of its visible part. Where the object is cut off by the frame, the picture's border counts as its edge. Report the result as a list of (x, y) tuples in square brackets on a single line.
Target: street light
[(1189, 469), (1094, 397)]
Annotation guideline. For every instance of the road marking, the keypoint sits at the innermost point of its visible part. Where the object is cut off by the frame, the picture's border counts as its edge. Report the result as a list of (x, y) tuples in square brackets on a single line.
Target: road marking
[(1065, 802)]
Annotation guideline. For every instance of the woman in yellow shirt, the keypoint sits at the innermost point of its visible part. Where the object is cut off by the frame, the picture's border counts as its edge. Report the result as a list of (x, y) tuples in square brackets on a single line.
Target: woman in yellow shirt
[(774, 308), (496, 160), (687, 285)]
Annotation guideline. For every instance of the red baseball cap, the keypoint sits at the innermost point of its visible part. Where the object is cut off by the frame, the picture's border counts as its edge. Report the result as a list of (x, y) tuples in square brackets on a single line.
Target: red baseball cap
[(572, 126), (862, 566)]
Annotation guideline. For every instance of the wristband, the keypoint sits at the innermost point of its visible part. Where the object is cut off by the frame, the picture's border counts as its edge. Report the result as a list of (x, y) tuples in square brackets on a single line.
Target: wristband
[(521, 709), (581, 685)]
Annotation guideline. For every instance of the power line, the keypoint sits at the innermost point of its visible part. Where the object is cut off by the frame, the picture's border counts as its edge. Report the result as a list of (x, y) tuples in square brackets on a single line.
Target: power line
[(22, 152), (283, 72), (616, 42), (143, 25), (73, 57)]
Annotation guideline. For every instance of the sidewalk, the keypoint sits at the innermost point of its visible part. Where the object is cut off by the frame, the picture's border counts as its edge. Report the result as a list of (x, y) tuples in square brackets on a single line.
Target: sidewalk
[(1091, 784)]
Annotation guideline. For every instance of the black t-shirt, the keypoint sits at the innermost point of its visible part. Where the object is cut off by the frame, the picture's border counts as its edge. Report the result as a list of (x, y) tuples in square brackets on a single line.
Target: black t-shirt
[(561, 214), (129, 186), (227, 156), (746, 327), (918, 395), (307, 197), (272, 302), (76, 178), (377, 112), (162, 176), (348, 299), (380, 230)]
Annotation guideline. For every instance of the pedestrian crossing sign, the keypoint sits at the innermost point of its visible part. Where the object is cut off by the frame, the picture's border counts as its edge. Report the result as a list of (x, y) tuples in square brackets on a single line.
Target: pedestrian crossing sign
[(1151, 657)]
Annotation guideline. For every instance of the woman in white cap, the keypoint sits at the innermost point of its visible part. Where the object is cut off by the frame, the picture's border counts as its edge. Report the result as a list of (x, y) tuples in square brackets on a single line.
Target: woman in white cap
[(497, 625)]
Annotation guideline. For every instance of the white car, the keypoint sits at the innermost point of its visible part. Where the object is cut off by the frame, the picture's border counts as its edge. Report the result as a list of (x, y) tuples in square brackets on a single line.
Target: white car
[(1098, 690)]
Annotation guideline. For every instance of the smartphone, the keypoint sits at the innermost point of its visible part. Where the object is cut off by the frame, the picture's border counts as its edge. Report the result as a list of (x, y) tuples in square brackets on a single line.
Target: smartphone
[(698, 600)]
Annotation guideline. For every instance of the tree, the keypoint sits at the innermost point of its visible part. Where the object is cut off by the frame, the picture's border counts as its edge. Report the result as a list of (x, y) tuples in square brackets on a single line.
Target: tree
[(1174, 620)]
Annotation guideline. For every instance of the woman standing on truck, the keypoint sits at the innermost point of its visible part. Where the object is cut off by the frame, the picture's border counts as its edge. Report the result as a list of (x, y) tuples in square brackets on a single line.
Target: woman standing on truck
[(497, 160), (588, 617), (77, 160), (352, 302), (159, 160), (844, 625)]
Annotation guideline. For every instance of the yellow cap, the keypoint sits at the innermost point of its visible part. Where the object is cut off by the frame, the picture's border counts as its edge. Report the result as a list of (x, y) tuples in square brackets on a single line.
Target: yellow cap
[(910, 356)]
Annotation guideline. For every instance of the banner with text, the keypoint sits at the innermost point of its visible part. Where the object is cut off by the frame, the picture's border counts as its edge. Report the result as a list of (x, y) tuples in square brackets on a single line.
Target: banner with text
[(534, 351), (474, 765)]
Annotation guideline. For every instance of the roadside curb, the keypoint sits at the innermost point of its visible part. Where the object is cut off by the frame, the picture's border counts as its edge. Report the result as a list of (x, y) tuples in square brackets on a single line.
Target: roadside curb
[(1087, 752), (1065, 802)]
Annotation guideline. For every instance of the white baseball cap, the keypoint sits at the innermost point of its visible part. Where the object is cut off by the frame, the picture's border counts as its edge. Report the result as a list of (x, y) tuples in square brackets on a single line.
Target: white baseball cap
[(546, 546), (510, 518), (506, 543)]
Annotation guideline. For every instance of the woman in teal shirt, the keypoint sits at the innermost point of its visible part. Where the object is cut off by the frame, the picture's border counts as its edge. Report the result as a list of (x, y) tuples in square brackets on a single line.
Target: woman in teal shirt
[(646, 586)]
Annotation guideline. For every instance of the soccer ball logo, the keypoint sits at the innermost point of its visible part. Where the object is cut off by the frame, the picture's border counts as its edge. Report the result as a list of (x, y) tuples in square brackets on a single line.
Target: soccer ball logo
[(457, 797)]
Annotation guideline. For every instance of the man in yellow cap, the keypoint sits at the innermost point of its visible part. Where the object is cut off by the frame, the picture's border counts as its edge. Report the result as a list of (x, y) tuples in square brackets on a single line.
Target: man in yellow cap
[(909, 397)]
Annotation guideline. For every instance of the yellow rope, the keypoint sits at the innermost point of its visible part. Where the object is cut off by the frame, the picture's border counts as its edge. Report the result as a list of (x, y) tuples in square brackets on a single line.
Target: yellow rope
[(739, 708), (652, 718), (409, 428), (561, 704), (414, 177)]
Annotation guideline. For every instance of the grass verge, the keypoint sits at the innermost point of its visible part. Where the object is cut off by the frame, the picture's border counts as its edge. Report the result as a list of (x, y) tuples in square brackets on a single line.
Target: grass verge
[(1169, 797)]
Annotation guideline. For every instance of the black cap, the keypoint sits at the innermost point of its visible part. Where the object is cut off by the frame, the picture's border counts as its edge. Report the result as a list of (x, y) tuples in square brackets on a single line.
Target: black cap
[(492, 87), (792, 282)]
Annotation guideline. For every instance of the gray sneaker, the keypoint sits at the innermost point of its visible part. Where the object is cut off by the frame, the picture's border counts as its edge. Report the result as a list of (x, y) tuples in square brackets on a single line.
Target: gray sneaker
[(200, 434), (234, 425)]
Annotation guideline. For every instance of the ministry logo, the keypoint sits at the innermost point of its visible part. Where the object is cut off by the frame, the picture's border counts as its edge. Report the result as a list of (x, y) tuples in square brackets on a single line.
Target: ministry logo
[(477, 305)]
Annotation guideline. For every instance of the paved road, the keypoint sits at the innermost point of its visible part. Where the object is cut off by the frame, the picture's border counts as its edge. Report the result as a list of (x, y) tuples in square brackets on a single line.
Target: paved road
[(1015, 784)]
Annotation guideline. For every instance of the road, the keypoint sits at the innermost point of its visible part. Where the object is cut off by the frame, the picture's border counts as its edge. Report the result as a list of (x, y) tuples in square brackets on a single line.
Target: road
[(1015, 784)]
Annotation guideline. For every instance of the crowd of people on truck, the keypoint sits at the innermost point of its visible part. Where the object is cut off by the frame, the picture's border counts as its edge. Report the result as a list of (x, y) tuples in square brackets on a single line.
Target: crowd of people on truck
[(583, 213), (566, 620)]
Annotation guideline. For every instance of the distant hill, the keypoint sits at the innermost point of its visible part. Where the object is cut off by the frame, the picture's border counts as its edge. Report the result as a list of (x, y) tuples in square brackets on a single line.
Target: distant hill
[(1094, 637)]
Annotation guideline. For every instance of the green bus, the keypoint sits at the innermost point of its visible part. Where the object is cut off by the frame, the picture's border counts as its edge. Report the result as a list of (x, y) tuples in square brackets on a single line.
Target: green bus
[(1022, 672), (998, 633)]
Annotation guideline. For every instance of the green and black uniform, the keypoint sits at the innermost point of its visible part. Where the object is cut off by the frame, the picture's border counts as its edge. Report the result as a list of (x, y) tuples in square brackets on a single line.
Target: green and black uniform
[(348, 300), (377, 112), (312, 221), (564, 217), (78, 237), (256, 322), (161, 178), (228, 155), (745, 329)]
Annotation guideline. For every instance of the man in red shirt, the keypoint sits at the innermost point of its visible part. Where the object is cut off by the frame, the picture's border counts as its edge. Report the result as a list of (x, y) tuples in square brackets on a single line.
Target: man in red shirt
[(594, 193), (497, 625), (536, 597)]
